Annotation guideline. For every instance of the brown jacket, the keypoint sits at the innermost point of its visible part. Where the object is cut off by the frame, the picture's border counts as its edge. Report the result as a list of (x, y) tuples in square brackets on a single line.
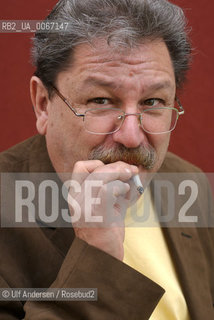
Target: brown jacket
[(53, 257)]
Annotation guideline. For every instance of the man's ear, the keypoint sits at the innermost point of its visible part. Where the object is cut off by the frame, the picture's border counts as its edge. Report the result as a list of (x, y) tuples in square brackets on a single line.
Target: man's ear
[(40, 99)]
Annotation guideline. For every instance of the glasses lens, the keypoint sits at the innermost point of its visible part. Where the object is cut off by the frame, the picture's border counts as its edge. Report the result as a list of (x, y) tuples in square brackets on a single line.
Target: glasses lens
[(103, 120), (159, 120)]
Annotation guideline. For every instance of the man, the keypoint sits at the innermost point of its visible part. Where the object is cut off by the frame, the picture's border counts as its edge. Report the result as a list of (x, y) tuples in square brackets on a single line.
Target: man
[(104, 94)]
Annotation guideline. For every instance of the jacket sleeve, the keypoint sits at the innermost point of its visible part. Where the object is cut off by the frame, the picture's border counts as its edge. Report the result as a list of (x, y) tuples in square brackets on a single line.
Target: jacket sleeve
[(123, 293)]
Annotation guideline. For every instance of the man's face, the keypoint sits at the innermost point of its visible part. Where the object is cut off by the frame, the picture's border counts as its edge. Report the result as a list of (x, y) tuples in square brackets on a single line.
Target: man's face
[(101, 77)]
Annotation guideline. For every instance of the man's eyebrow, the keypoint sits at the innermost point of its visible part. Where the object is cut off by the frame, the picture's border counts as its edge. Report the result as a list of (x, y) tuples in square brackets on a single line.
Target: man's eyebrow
[(161, 85), (100, 82)]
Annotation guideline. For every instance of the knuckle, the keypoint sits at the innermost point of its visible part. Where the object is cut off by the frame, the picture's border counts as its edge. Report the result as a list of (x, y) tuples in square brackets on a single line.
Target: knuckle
[(78, 165), (98, 163)]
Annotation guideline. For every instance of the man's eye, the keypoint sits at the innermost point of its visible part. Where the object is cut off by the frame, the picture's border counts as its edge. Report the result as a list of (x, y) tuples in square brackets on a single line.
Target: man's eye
[(153, 102), (100, 101)]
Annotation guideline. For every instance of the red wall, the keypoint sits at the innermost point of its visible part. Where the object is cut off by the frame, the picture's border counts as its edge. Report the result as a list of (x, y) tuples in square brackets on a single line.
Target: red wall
[(193, 138)]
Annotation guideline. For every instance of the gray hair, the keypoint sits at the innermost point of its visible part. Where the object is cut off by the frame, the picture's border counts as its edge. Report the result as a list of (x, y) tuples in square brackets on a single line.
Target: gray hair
[(121, 22)]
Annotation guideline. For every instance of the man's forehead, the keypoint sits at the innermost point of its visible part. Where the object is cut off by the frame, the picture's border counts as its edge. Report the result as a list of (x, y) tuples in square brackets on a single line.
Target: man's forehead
[(99, 51), (97, 64)]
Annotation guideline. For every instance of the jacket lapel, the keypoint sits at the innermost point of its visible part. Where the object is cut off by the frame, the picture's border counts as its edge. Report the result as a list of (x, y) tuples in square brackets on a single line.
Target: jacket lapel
[(185, 247)]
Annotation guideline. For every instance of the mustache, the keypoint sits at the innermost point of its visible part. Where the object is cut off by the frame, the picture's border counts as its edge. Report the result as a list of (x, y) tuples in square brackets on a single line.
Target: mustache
[(143, 155)]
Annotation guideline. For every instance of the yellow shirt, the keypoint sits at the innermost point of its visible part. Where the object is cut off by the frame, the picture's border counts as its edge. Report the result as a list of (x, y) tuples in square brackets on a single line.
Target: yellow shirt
[(146, 251)]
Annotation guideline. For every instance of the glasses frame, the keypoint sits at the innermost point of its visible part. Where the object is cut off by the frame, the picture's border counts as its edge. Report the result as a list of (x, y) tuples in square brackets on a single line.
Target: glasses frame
[(82, 115)]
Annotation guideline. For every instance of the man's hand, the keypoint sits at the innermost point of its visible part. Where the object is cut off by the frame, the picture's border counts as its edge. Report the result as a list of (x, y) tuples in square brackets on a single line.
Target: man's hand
[(113, 198)]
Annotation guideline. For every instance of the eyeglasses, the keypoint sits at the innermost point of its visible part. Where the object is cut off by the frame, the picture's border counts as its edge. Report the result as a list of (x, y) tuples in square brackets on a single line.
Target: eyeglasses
[(153, 120)]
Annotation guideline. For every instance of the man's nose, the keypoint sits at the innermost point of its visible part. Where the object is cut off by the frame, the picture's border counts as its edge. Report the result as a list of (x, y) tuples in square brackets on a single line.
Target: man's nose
[(131, 134)]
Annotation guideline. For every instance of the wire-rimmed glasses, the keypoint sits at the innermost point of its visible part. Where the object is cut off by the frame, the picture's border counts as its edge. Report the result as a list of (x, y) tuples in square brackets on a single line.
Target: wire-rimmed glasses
[(153, 120)]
